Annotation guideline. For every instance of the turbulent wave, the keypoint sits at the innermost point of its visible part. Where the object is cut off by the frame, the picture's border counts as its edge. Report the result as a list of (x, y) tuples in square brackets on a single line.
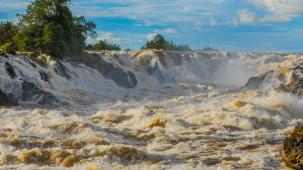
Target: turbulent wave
[(148, 109)]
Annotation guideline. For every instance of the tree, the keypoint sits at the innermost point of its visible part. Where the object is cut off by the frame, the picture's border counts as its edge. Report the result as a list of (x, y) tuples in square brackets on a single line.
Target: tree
[(53, 42), (50, 27), (208, 49), (104, 45), (7, 31), (128, 49), (159, 43)]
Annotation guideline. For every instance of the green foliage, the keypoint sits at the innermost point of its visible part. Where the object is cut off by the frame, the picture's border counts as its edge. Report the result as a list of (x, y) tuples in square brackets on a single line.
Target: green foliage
[(104, 45), (53, 42), (8, 48), (89, 47), (159, 43), (128, 49), (7, 31), (50, 27), (208, 49), (180, 47)]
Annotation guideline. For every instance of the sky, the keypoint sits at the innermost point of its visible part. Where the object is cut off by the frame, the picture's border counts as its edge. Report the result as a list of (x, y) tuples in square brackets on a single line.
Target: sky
[(229, 25)]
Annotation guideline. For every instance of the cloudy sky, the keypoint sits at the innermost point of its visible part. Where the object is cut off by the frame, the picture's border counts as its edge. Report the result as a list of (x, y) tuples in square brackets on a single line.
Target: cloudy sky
[(233, 25)]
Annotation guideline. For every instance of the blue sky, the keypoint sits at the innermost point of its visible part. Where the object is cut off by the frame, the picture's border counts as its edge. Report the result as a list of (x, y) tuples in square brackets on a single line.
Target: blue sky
[(231, 25)]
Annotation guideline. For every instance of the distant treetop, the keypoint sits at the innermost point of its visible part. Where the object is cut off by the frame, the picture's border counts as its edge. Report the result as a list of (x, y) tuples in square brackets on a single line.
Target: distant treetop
[(104, 45), (208, 49), (159, 43)]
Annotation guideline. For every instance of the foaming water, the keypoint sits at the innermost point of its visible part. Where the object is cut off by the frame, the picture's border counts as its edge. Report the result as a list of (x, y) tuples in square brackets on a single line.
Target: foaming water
[(290, 104), (187, 111)]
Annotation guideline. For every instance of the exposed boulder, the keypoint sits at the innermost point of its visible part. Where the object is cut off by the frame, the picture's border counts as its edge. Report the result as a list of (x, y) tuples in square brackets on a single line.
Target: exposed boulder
[(29, 62), (151, 62), (256, 82), (292, 149), (62, 70), (44, 76), (31, 93), (121, 77), (10, 70), (7, 100), (294, 79)]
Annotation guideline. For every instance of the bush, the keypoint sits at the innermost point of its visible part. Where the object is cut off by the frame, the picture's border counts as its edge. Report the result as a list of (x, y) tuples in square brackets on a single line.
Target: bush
[(159, 43), (7, 31), (208, 49), (104, 45), (8, 48)]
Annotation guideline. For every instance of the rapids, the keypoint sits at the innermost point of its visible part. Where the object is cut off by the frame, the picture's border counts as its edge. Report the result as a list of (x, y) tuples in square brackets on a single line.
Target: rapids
[(149, 110)]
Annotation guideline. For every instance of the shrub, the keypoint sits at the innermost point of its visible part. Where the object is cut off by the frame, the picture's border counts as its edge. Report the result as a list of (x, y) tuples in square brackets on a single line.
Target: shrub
[(104, 45), (8, 48), (159, 43)]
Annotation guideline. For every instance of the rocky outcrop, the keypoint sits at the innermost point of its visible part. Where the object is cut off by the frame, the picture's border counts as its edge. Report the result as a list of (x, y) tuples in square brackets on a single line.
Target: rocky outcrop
[(62, 70), (294, 80), (36, 79), (33, 94), (292, 149), (121, 77), (7, 100), (256, 82), (10, 70)]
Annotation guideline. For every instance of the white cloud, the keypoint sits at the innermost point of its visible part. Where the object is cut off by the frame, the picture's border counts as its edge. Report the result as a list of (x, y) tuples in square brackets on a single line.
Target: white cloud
[(156, 12), (280, 10), (285, 7), (245, 16)]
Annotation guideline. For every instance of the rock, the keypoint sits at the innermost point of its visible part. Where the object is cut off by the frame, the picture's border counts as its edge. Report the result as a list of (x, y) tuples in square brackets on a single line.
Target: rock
[(10, 70), (292, 149), (256, 82), (156, 72), (31, 93), (121, 77), (7, 100), (294, 84), (44, 76), (62, 70), (29, 62), (151, 63)]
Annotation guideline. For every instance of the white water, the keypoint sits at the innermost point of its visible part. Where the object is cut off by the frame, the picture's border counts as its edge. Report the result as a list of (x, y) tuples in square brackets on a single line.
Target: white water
[(210, 121)]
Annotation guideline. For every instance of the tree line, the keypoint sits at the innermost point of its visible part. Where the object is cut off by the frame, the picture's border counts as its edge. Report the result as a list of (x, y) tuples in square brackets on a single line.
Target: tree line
[(158, 43), (49, 27)]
